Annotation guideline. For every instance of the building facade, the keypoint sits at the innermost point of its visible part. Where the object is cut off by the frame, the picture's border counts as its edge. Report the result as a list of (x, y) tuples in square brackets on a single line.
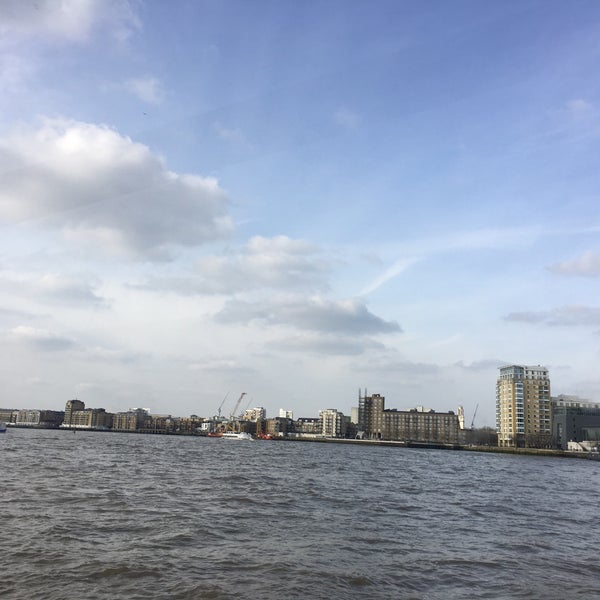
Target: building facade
[(77, 416), (255, 414), (71, 407), (575, 420), (370, 415), (277, 426), (523, 407), (332, 423), (306, 426), (421, 425), (9, 415), (132, 420), (46, 419)]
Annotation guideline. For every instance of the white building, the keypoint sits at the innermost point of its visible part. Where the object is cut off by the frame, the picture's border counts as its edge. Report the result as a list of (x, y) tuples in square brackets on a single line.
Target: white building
[(254, 414), (332, 423)]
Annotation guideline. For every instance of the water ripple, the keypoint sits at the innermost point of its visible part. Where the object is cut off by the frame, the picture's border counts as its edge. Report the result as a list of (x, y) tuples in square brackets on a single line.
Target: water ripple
[(103, 516)]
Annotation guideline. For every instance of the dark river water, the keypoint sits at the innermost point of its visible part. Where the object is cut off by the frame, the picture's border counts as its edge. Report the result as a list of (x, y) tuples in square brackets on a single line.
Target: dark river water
[(109, 515)]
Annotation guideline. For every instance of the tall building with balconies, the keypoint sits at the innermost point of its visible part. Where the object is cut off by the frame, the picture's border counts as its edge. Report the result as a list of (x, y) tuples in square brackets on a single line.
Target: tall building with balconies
[(332, 423), (77, 416), (71, 407), (523, 407), (370, 415), (255, 414)]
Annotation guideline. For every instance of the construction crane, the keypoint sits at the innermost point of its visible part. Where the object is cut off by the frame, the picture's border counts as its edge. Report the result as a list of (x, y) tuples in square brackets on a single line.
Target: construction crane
[(474, 415), (237, 405), (221, 405)]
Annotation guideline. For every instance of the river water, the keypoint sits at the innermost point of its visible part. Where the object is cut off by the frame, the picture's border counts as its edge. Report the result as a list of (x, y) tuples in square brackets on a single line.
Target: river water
[(125, 516)]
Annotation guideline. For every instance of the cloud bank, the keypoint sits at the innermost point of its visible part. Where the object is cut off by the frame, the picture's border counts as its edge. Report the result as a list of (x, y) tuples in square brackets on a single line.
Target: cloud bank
[(313, 314), (106, 192), (71, 20)]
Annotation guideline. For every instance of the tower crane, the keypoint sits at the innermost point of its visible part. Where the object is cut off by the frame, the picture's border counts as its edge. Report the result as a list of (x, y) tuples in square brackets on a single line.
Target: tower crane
[(221, 405), (237, 405), (474, 415)]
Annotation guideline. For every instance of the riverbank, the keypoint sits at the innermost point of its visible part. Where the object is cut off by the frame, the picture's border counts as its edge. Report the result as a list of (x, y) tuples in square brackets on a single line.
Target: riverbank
[(466, 448), (383, 443)]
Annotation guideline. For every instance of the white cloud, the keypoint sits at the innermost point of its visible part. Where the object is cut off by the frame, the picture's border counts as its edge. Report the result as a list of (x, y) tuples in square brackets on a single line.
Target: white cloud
[(51, 288), (486, 364), (587, 265), (349, 317), (41, 339), (567, 316), (102, 354), (399, 368), (71, 20), (229, 366), (148, 89), (267, 262), (327, 345), (392, 271), (264, 263), (106, 191)]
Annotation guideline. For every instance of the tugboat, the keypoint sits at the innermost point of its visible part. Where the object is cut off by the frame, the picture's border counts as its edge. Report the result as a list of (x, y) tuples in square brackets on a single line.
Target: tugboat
[(2, 427)]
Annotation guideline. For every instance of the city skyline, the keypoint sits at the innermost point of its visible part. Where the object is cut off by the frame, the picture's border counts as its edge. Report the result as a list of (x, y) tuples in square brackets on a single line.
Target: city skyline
[(297, 201)]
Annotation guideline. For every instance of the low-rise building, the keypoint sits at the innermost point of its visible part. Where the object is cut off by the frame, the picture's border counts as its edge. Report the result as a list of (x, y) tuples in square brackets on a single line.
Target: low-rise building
[(47, 419), (413, 425), (421, 425), (8, 415), (306, 426), (277, 426), (163, 423)]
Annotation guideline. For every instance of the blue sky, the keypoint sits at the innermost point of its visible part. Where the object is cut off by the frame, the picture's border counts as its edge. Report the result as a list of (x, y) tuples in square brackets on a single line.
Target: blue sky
[(295, 200)]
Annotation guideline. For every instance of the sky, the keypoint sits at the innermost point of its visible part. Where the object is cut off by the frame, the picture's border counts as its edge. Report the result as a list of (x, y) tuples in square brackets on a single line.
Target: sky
[(297, 200)]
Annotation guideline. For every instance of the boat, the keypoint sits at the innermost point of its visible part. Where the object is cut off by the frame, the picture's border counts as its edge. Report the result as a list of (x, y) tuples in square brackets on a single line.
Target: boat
[(233, 435), (2, 427)]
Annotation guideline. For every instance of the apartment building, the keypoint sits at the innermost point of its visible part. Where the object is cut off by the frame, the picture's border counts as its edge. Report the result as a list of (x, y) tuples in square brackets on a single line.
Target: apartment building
[(332, 423), (414, 425), (370, 415), (523, 407), (79, 417), (46, 419), (421, 425), (254, 414), (133, 419)]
